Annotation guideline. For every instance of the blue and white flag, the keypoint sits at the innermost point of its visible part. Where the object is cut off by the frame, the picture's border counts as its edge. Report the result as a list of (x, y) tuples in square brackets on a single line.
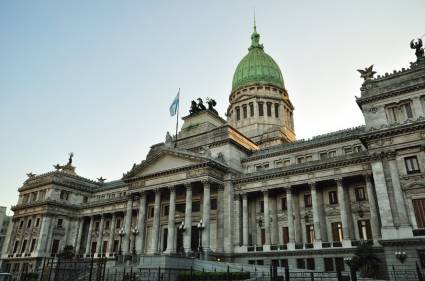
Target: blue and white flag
[(175, 105)]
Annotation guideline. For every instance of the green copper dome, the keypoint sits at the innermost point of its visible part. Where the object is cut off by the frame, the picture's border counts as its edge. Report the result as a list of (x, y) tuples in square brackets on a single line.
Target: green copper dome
[(257, 67)]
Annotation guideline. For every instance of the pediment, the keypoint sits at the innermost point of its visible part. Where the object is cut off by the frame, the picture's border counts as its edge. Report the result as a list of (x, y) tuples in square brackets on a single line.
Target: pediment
[(164, 163)]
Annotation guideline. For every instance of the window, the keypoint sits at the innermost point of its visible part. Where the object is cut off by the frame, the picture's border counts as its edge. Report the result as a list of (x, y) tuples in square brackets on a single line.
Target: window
[(266, 166), (360, 194), (244, 111), (284, 263), (332, 153), (24, 245), (118, 224), (329, 264), (260, 109), (337, 234), (151, 212), (310, 233), (285, 237), (97, 226), (85, 199), (29, 223), (365, 231), (59, 224), (284, 206), (408, 110), (300, 264), (310, 264), (32, 245), (286, 162), (333, 197), (357, 148), (55, 246), (323, 155), (64, 195), (107, 225), (196, 206), (258, 168), (214, 204), (307, 200), (339, 264), (276, 110), (269, 109), (251, 109), (300, 160), (21, 224), (15, 247), (308, 158), (260, 262), (262, 206), (238, 113), (400, 112), (412, 164), (37, 222), (421, 255), (165, 210), (116, 246), (348, 150), (419, 209)]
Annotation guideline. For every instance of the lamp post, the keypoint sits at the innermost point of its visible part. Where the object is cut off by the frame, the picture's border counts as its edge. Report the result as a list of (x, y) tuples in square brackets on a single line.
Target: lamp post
[(135, 232), (349, 261), (181, 229), (201, 227), (401, 256), (121, 234)]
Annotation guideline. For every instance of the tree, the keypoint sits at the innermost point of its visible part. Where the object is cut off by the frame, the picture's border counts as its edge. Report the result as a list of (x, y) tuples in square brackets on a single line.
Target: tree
[(365, 260)]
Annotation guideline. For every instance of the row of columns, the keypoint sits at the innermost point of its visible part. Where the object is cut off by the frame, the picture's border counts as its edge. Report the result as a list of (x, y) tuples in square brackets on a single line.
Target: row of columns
[(318, 219)]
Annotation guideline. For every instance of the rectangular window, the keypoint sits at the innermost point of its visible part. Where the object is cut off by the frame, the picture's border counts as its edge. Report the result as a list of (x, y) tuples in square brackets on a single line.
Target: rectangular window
[(329, 264), (300, 160), (259, 168), (307, 200), (55, 246), (260, 109), (421, 255), (107, 225), (333, 197), (238, 113), (116, 246), (15, 247), (276, 110), (60, 222), (286, 162), (196, 206), (29, 223), (213, 204), (412, 164), (308, 158), (300, 264), (285, 233), (278, 164), (360, 194), (245, 111), (419, 209), (151, 212), (284, 204), (365, 231), (165, 210), (269, 109), (348, 150), (284, 263), (21, 224), (251, 109), (310, 264), (323, 155), (266, 166), (337, 234), (262, 206), (408, 110), (339, 264), (32, 245), (310, 233), (118, 223), (24, 245), (331, 153)]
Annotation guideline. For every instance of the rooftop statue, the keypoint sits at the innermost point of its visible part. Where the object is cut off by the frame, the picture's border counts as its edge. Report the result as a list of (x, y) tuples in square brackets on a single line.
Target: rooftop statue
[(68, 167), (30, 175), (418, 46), (101, 180), (199, 106), (367, 73)]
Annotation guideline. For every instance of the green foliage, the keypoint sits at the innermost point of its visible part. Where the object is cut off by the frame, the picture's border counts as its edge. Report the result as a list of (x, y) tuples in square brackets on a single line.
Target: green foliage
[(365, 260), (216, 276)]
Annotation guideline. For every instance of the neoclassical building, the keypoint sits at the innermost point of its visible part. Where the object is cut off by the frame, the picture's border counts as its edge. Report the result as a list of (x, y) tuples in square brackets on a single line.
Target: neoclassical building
[(245, 189)]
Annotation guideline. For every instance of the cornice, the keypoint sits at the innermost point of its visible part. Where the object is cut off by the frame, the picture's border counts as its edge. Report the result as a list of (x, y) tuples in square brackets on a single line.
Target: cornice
[(361, 157), (387, 131)]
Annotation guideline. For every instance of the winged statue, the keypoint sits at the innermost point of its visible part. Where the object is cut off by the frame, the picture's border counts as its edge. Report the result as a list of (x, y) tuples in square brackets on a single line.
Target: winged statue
[(367, 73)]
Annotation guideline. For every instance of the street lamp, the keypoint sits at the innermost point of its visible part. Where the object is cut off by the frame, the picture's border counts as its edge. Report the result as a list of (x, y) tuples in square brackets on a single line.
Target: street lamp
[(181, 229), (401, 256), (135, 232), (201, 227), (121, 233)]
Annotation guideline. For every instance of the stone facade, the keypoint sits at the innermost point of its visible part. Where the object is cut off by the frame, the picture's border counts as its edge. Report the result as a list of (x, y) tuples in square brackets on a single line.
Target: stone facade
[(4, 225), (297, 203)]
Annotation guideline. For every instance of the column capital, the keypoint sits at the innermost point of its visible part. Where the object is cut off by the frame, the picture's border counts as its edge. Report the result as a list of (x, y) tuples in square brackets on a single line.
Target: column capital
[(244, 195), (338, 181), (312, 184), (220, 187), (368, 177), (157, 190), (206, 183), (265, 191), (188, 185), (172, 188), (390, 155)]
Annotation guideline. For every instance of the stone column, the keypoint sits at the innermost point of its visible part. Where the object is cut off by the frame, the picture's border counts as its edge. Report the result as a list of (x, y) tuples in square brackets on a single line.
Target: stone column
[(112, 234), (206, 217), (297, 218), (229, 216), (291, 228), (88, 242), (266, 218), (141, 224), (274, 223), (171, 222), (387, 222), (343, 209), (155, 226), (220, 219), (316, 213), (398, 193), (374, 220), (79, 235), (245, 219), (238, 220), (127, 227), (187, 234), (100, 236)]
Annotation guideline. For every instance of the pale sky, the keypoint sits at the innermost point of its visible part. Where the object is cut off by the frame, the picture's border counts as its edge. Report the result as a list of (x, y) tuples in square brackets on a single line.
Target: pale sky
[(97, 77)]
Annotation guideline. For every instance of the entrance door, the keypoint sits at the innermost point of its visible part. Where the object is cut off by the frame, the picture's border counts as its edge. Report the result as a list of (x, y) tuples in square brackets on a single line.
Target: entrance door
[(164, 239), (194, 243)]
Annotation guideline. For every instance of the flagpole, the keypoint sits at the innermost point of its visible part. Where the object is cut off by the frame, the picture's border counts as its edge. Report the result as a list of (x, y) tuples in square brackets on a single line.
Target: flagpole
[(177, 121)]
